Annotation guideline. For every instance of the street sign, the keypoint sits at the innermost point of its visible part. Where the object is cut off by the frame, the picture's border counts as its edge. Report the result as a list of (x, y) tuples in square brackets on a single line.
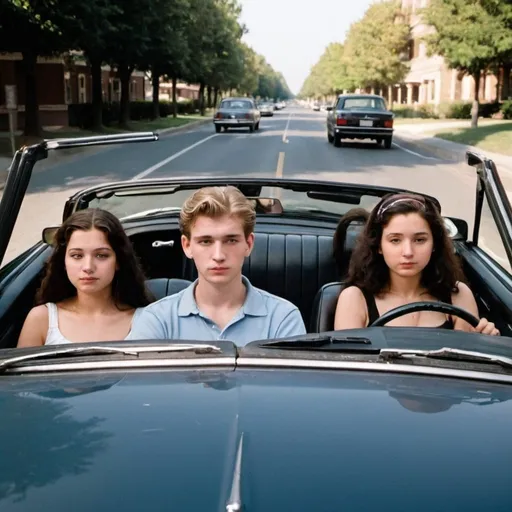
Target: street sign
[(11, 102)]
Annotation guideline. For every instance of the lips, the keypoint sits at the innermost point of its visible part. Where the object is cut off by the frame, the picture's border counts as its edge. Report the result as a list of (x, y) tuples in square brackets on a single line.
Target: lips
[(88, 279)]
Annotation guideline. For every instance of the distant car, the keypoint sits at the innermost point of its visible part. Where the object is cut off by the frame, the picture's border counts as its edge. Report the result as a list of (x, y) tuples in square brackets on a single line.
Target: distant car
[(237, 113), (360, 116), (266, 109)]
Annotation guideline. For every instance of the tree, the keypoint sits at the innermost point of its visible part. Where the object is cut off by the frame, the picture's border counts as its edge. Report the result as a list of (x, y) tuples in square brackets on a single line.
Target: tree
[(32, 29), (470, 35), (167, 49), (375, 46)]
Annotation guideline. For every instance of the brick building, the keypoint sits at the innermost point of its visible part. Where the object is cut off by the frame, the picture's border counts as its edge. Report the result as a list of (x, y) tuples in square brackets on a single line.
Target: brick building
[(430, 80), (59, 83)]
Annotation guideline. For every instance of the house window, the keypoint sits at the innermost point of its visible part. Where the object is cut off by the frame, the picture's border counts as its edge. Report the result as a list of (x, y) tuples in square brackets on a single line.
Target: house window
[(82, 91), (68, 98)]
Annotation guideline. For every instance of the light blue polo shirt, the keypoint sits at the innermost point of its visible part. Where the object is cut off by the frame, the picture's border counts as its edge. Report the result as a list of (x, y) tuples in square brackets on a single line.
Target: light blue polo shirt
[(177, 317)]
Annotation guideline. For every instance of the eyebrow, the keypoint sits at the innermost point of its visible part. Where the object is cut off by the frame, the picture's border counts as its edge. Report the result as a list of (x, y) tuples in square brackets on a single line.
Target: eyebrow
[(415, 234), (204, 237), (97, 249)]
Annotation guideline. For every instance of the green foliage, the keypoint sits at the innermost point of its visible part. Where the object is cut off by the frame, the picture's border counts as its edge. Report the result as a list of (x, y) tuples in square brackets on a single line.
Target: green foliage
[(372, 55), (506, 109), (81, 114)]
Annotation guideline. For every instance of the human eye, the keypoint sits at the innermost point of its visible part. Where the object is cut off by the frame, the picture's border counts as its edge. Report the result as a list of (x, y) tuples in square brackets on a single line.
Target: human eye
[(232, 241), (102, 256), (75, 256), (205, 242), (421, 240)]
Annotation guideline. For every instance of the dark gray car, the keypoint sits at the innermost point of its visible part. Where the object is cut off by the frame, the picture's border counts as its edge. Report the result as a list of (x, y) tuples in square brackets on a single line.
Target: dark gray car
[(237, 113), (360, 116)]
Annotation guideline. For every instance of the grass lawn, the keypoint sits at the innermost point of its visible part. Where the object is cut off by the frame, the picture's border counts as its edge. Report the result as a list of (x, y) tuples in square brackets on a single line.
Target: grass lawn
[(496, 138), (157, 124)]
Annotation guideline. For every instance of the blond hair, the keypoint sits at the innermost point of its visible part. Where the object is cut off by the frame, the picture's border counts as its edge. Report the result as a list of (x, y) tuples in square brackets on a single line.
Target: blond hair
[(216, 202)]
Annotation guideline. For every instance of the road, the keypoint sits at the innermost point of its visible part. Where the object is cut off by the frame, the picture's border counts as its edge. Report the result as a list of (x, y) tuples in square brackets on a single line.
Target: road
[(293, 143)]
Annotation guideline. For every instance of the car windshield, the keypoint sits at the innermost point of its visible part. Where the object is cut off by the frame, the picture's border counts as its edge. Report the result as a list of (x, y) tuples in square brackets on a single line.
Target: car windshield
[(363, 103), (236, 104), (125, 203)]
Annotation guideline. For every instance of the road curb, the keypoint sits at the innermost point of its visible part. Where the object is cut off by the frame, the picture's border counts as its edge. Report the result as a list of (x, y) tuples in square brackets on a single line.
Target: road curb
[(165, 131), (184, 127)]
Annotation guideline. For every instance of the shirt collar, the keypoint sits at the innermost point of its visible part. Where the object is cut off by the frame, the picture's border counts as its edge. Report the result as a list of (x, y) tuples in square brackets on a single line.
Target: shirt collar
[(254, 304)]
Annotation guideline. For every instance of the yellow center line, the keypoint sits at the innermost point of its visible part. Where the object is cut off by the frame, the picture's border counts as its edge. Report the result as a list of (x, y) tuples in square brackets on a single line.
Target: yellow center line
[(280, 165), (279, 174)]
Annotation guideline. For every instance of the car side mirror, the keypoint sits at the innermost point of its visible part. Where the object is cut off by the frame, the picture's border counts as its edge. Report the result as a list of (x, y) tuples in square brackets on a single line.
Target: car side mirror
[(49, 234)]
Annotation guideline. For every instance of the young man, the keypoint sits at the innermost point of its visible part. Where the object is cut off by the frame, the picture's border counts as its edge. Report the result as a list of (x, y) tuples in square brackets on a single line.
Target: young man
[(217, 225)]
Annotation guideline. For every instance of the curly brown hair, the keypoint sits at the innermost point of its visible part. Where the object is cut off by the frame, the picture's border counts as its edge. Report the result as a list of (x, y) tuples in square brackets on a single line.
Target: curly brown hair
[(128, 286), (368, 270)]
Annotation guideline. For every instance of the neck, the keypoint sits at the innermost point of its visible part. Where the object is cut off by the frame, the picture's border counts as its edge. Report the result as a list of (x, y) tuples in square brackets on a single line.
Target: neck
[(228, 295), (93, 303), (406, 287)]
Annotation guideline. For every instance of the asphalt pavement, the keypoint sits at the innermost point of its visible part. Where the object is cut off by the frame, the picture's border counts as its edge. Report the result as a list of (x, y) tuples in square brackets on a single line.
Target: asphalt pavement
[(292, 143)]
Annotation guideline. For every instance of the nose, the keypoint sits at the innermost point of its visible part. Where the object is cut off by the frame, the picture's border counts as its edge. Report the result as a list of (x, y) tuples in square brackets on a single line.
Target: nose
[(218, 252), (88, 264), (407, 248)]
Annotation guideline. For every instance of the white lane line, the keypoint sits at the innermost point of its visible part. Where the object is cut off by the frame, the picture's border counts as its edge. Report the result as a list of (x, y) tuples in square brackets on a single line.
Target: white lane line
[(285, 139), (149, 170), (414, 153)]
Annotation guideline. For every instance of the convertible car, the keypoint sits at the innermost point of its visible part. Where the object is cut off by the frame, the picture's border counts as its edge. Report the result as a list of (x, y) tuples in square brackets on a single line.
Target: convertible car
[(382, 418)]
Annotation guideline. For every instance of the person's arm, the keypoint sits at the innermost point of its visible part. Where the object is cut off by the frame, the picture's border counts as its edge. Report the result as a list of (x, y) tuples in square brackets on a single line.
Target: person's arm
[(464, 299), (149, 326), (35, 327), (351, 310)]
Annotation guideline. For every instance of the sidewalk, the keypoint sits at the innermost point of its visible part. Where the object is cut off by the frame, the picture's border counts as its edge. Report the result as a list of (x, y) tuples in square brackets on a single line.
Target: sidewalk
[(420, 135), (68, 155)]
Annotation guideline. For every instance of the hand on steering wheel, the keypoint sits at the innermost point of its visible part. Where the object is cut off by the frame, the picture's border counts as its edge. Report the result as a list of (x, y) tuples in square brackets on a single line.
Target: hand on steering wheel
[(480, 325)]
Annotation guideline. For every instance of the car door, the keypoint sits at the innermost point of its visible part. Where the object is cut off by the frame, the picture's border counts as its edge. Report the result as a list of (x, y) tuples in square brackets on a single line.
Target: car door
[(487, 258)]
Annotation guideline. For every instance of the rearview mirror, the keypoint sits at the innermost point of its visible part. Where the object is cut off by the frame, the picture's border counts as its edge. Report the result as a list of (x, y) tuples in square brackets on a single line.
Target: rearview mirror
[(49, 234)]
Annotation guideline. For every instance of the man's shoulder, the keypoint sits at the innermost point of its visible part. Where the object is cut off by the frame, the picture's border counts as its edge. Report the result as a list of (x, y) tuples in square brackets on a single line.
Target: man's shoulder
[(275, 302), (168, 302)]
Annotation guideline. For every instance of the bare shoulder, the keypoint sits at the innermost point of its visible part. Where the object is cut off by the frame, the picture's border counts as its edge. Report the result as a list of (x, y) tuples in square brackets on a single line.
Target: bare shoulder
[(464, 294), (351, 311), (35, 327), (38, 314), (351, 293)]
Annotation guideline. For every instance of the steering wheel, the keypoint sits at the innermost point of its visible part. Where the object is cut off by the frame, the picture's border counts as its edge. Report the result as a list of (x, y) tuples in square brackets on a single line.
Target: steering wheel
[(441, 307)]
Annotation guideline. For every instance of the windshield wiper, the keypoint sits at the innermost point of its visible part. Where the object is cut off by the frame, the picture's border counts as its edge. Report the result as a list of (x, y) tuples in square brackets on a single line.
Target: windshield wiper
[(96, 350), (447, 353), (333, 343)]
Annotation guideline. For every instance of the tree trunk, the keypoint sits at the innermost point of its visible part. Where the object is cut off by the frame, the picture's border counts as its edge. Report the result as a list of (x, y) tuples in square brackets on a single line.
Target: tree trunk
[(124, 72), (201, 99), (209, 96), (474, 108), (97, 94), (174, 98), (215, 97), (155, 82), (32, 122), (505, 91)]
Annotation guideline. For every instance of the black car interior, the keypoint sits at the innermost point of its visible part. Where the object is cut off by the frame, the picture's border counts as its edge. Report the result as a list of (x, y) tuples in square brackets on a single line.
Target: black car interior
[(292, 259)]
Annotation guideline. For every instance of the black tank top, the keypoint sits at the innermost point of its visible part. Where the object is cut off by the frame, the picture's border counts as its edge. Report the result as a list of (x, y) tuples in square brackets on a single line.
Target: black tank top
[(373, 312)]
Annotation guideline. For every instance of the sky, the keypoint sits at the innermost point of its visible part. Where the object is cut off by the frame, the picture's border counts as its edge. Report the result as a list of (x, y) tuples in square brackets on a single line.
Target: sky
[(293, 34)]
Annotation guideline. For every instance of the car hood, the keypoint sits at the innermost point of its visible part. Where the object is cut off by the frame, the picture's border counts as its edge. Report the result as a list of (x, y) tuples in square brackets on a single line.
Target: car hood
[(312, 441)]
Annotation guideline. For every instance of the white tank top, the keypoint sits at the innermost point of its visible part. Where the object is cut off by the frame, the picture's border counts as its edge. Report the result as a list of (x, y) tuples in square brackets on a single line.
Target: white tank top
[(54, 336)]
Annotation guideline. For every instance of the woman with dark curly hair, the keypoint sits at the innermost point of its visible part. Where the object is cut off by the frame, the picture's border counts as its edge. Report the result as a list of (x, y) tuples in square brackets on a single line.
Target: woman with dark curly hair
[(403, 255), (93, 286)]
